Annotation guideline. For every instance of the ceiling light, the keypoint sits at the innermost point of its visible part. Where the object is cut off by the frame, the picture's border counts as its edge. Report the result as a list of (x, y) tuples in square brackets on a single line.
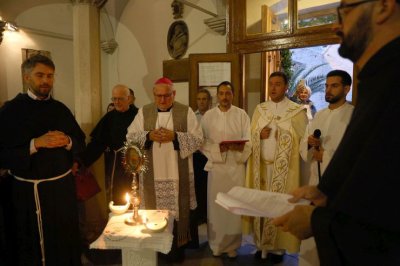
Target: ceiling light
[(10, 26)]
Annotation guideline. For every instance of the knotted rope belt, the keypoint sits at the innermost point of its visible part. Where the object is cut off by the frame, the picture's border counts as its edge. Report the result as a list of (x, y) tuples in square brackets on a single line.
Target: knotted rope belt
[(37, 203), (113, 171)]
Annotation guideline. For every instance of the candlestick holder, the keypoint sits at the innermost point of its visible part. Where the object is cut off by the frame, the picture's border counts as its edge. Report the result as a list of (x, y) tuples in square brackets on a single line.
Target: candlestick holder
[(135, 219), (134, 161)]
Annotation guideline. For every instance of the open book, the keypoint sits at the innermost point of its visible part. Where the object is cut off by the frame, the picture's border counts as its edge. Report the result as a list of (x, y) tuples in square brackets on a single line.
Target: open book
[(254, 202)]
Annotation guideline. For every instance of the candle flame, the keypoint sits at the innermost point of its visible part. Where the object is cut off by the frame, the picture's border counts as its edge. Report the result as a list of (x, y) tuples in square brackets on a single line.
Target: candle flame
[(127, 198)]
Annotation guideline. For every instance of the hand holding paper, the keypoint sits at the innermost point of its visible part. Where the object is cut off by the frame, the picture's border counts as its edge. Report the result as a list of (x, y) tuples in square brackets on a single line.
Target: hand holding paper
[(311, 193), (297, 222)]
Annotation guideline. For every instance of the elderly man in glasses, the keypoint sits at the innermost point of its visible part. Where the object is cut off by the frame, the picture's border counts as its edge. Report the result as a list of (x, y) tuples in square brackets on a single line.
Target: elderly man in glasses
[(109, 136), (170, 134), (355, 218)]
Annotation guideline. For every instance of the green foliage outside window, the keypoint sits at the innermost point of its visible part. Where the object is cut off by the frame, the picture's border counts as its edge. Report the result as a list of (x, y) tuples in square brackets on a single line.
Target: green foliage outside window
[(286, 63)]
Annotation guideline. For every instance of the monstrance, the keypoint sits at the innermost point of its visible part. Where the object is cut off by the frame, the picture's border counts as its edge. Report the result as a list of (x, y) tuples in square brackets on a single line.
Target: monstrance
[(134, 162)]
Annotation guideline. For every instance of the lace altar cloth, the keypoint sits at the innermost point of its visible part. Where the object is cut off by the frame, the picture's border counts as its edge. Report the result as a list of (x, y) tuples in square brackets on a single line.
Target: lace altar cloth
[(118, 235)]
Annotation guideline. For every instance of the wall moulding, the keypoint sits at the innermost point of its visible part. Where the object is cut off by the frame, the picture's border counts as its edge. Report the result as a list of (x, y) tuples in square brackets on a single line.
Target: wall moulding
[(97, 3)]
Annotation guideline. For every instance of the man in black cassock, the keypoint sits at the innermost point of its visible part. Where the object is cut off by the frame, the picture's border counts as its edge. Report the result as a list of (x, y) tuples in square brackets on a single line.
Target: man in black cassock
[(109, 136), (38, 141), (356, 217), (6, 235)]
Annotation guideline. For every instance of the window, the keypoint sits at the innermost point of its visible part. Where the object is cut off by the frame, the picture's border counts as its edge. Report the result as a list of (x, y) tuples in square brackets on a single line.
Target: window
[(312, 13)]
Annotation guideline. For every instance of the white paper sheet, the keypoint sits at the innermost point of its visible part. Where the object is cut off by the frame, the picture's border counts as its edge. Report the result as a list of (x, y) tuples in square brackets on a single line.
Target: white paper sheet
[(254, 202), (212, 73)]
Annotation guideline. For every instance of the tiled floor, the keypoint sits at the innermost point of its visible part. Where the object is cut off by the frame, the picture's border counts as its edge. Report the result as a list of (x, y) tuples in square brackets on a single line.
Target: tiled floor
[(198, 257), (203, 257)]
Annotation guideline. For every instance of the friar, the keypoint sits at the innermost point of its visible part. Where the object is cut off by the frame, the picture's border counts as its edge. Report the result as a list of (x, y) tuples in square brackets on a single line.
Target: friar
[(38, 141)]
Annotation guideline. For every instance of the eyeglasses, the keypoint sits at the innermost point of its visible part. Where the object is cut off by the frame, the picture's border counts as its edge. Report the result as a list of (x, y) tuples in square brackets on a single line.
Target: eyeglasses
[(343, 9), (165, 96), (120, 99)]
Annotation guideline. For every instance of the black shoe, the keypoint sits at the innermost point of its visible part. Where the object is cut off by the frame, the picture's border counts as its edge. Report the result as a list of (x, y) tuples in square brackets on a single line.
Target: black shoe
[(257, 255), (193, 245), (274, 258), (164, 259), (201, 221), (271, 257), (175, 256)]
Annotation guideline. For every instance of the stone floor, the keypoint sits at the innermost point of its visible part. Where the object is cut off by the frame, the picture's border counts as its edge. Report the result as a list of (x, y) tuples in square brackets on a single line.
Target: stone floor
[(203, 257), (193, 257)]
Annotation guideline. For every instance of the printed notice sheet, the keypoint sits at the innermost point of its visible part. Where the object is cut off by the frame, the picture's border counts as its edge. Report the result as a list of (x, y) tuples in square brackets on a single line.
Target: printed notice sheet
[(212, 73), (254, 202)]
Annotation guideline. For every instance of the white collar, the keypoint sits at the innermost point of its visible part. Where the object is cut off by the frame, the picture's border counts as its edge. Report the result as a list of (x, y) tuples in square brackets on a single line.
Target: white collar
[(338, 108), (279, 107), (230, 108), (34, 97)]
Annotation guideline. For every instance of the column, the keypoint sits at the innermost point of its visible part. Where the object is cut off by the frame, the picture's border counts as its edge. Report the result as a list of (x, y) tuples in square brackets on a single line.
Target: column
[(87, 87), (86, 45)]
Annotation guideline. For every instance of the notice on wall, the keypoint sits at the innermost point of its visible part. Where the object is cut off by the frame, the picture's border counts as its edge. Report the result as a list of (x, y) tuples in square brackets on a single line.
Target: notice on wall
[(213, 73)]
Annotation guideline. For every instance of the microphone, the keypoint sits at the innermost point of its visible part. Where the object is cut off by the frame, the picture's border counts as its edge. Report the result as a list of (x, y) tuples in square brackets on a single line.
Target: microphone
[(317, 135)]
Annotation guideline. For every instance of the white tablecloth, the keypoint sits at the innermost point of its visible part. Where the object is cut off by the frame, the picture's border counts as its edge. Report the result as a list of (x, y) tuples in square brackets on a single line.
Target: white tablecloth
[(118, 235)]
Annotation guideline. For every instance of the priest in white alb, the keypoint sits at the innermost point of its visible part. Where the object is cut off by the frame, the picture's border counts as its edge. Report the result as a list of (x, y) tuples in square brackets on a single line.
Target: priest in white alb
[(169, 133), (226, 167)]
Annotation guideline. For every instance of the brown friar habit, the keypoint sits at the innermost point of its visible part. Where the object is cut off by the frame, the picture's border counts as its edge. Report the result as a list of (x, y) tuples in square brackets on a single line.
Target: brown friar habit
[(179, 116)]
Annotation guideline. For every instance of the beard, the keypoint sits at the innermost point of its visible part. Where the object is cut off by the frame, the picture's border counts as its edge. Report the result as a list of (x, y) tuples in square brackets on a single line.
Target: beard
[(42, 91), (333, 99), (355, 43)]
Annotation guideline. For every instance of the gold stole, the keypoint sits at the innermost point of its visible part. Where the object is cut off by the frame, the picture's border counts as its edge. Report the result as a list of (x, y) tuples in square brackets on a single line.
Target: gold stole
[(264, 226)]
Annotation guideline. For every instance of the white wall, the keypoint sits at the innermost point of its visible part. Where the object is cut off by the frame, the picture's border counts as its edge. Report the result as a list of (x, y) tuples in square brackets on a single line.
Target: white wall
[(141, 34), (142, 38), (55, 18)]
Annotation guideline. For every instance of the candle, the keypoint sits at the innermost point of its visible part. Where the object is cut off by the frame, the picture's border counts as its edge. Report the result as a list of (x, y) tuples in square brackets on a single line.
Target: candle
[(127, 197), (118, 209)]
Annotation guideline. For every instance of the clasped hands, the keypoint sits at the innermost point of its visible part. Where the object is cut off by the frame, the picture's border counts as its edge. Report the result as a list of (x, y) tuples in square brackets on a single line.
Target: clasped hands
[(298, 221), (52, 139), (162, 135)]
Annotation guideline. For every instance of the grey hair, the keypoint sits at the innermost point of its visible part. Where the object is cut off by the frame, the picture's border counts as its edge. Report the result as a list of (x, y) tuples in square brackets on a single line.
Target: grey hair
[(29, 64)]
